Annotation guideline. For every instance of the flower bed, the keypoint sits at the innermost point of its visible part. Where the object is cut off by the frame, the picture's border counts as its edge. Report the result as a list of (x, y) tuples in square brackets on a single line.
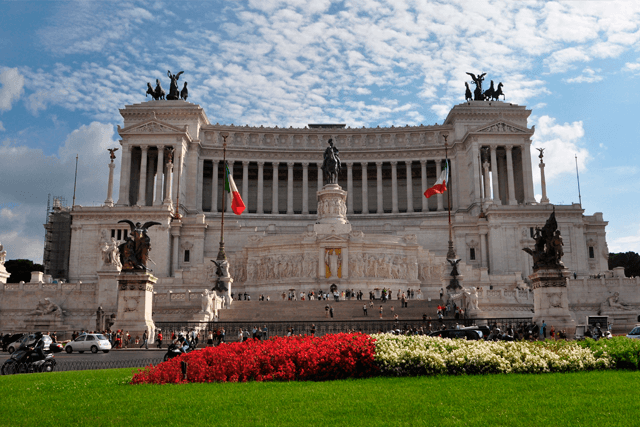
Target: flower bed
[(305, 358), (279, 359), (423, 355)]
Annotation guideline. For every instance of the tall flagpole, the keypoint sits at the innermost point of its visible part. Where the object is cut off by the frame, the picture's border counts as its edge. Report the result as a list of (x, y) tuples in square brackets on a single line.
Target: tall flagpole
[(578, 176), (75, 181), (451, 253), (221, 253)]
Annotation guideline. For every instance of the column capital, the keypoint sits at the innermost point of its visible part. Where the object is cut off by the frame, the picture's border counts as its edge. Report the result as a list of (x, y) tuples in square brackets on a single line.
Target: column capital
[(160, 147), (423, 162), (364, 164), (349, 164), (508, 147), (290, 164), (144, 147), (231, 161), (275, 164), (408, 162), (261, 164), (319, 165), (245, 162), (393, 162), (305, 164), (493, 148), (379, 164)]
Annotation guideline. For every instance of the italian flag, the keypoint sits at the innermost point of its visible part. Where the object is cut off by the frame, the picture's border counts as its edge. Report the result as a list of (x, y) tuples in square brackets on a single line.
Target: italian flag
[(441, 184), (237, 205)]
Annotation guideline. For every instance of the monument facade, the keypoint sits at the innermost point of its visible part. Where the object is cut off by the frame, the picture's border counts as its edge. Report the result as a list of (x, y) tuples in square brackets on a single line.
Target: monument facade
[(366, 227)]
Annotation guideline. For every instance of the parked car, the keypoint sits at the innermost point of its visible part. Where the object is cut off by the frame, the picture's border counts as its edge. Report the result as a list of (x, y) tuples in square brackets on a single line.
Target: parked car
[(635, 333), (468, 334), (89, 342), (27, 340), (8, 339)]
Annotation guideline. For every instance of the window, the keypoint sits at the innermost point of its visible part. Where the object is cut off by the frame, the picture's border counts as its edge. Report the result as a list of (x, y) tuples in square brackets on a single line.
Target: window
[(91, 338), (472, 254), (592, 253), (187, 255)]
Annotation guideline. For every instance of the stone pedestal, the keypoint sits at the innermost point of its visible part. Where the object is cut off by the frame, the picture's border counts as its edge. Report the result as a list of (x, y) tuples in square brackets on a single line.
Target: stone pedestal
[(135, 302), (45, 323), (227, 282), (332, 211), (550, 301)]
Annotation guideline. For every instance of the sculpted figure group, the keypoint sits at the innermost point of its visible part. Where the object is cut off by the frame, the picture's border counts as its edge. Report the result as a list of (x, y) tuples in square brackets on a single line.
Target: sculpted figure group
[(491, 94), (548, 250), (282, 266), (158, 93), (134, 252)]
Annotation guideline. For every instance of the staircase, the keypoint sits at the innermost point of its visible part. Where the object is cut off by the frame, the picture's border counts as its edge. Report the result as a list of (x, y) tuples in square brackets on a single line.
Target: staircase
[(301, 311)]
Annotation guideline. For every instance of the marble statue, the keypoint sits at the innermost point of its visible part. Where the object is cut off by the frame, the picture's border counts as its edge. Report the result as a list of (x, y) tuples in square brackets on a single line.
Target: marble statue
[(3, 254), (47, 307), (613, 302)]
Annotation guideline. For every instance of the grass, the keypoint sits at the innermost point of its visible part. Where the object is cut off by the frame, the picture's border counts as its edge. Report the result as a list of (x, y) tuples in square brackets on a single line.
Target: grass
[(96, 398)]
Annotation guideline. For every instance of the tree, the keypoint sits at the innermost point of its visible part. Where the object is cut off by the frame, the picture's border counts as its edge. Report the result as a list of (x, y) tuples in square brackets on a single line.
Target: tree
[(629, 260), (21, 269)]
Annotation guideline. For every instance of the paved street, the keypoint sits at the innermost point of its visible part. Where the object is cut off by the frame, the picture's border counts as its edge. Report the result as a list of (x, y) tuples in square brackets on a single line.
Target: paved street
[(112, 356)]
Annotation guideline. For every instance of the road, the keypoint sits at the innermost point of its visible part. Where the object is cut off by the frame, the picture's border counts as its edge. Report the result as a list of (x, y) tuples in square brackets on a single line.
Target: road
[(112, 356)]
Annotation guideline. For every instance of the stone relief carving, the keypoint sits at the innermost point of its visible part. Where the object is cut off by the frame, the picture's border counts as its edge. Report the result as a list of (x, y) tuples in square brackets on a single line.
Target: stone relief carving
[(410, 238), (431, 272), (613, 302), (333, 262), (501, 128), (383, 266), (47, 307), (283, 266)]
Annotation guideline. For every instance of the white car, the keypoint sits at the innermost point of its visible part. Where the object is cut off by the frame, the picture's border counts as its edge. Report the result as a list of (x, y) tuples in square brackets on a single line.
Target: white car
[(92, 342), (635, 333)]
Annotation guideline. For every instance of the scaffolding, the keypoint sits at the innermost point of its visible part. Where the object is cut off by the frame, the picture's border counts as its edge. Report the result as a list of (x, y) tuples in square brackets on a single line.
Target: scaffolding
[(57, 238)]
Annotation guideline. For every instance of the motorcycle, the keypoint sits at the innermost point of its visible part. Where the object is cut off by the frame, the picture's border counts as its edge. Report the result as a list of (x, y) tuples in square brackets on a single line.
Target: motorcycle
[(29, 360), (174, 351)]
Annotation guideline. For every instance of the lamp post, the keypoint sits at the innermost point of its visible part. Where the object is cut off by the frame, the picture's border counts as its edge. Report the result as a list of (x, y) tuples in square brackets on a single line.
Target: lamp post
[(451, 253), (222, 256)]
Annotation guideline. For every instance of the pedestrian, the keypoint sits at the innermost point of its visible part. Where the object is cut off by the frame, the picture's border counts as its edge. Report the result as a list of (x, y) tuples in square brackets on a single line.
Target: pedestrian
[(144, 340), (543, 330), (364, 308), (210, 339), (326, 311), (331, 311), (159, 339), (441, 293), (313, 330), (240, 336), (381, 312)]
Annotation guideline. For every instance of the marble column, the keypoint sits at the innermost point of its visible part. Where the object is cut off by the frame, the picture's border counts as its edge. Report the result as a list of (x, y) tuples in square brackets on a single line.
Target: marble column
[(510, 180), (487, 183), (365, 188), (349, 188), (305, 188), (439, 197), (143, 177), (394, 187), (527, 171), (543, 184), (494, 176), (224, 191), (290, 188), (320, 177), (109, 201), (214, 187), (260, 198), (245, 184), (274, 190), (423, 175), (200, 185), (168, 184), (125, 176), (159, 174), (409, 187), (380, 207)]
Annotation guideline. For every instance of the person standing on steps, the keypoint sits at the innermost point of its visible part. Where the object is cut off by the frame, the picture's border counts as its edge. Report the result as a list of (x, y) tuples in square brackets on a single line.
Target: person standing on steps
[(331, 311), (381, 312), (145, 340), (364, 308), (159, 339)]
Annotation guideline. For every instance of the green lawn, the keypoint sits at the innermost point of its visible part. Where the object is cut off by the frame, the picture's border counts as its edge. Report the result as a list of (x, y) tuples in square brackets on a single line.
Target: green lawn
[(94, 398)]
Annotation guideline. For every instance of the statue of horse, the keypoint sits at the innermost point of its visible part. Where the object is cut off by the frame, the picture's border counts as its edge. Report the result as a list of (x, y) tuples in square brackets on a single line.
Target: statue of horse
[(331, 165), (498, 92), (159, 91), (489, 93), (150, 91), (467, 93)]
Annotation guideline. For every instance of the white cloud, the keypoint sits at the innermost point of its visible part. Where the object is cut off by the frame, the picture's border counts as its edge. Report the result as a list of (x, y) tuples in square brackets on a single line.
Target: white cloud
[(626, 243), (561, 144), (588, 76), (2, 129), (12, 87), (29, 176)]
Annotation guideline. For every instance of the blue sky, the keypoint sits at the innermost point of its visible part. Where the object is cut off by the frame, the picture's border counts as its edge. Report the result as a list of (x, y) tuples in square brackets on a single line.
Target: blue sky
[(67, 67)]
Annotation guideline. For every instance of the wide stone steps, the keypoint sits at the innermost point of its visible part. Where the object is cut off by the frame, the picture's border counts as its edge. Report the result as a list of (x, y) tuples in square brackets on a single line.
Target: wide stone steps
[(315, 310)]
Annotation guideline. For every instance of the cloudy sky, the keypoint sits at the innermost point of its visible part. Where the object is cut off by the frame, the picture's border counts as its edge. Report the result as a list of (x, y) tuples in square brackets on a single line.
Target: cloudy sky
[(67, 67)]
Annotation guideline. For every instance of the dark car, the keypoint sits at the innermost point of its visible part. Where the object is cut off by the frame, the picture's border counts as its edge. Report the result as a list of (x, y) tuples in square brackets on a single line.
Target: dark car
[(8, 339), (468, 334)]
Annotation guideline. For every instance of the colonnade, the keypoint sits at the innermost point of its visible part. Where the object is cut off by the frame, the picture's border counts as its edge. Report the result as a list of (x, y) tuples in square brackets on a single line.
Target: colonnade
[(145, 179), (501, 183), (264, 197)]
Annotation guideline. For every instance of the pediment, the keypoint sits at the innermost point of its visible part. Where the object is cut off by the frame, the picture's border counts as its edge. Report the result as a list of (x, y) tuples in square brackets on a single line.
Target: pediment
[(153, 127), (503, 128), (333, 238)]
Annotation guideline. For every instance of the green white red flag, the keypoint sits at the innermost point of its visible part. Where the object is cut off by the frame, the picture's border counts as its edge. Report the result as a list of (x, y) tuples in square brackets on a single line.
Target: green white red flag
[(441, 184), (237, 205)]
